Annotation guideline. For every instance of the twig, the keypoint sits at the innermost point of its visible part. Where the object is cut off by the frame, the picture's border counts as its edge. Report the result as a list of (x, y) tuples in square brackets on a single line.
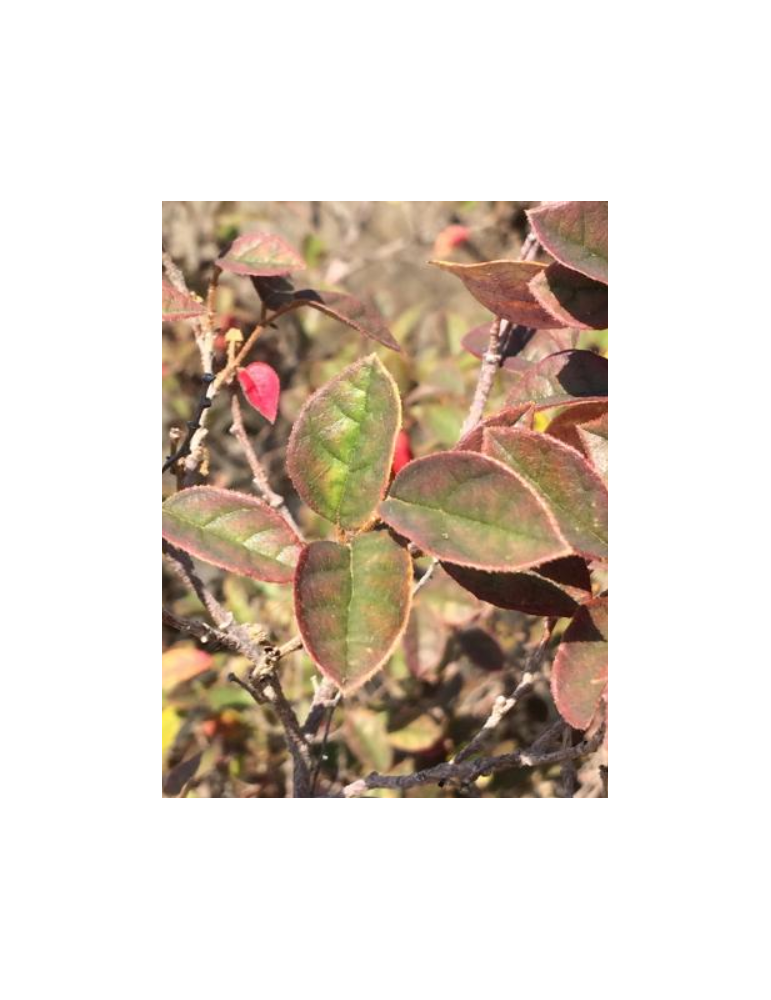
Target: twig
[(426, 576), (502, 706), (326, 694), (491, 361), (259, 475), (322, 748), (470, 770)]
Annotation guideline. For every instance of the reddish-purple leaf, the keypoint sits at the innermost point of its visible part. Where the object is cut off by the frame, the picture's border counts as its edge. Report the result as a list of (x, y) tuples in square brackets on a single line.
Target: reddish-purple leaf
[(361, 316), (471, 510), (352, 603), (579, 676), (576, 233), (521, 344), (262, 388), (179, 305), (572, 298), (564, 480), (232, 530), (594, 441), (565, 425), (560, 378), (507, 417), (502, 286), (554, 589), (261, 255)]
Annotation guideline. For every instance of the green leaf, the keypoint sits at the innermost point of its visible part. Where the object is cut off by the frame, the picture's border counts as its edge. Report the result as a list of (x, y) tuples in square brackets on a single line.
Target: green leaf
[(554, 589), (572, 298), (502, 286), (473, 511), (261, 255), (576, 233), (570, 487), (352, 603), (342, 444), (579, 675), (560, 378), (232, 530), (179, 305), (418, 736)]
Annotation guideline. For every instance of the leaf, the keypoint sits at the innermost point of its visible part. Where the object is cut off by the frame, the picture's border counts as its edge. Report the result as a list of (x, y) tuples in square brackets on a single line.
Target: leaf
[(402, 452), (262, 388), (576, 233), (361, 316), (569, 486), (425, 640), (342, 443), (473, 511), (418, 736), (553, 589), (179, 305), (594, 439), (560, 378), (572, 298), (232, 530), (261, 255), (352, 603), (506, 417), (502, 286), (564, 426), (178, 776), (366, 735), (481, 648), (182, 662), (580, 672)]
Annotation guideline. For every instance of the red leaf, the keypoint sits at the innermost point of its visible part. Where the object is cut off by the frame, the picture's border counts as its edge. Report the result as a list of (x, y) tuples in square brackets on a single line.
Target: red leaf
[(261, 387), (449, 238), (571, 297), (402, 452), (576, 233)]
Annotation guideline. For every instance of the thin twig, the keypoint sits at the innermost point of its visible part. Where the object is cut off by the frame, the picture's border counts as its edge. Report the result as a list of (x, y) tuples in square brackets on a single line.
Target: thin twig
[(491, 361), (326, 694), (259, 475), (502, 706)]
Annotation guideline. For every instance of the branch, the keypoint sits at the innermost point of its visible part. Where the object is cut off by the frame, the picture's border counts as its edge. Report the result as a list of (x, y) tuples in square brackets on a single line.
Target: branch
[(469, 771), (502, 706), (259, 475)]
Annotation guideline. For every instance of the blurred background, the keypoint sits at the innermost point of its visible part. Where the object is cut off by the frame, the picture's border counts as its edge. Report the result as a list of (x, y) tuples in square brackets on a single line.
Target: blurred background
[(458, 653)]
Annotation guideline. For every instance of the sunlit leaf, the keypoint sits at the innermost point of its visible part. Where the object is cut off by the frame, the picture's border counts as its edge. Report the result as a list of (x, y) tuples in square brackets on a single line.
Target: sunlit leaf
[(502, 286), (572, 298), (262, 388), (554, 589), (232, 530), (182, 662), (576, 233), (580, 672), (261, 255), (565, 425), (506, 417), (352, 603), (418, 736), (179, 305), (471, 510), (342, 444), (565, 481)]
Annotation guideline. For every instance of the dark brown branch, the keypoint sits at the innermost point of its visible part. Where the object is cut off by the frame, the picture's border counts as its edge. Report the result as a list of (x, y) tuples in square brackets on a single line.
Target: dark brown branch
[(470, 770)]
